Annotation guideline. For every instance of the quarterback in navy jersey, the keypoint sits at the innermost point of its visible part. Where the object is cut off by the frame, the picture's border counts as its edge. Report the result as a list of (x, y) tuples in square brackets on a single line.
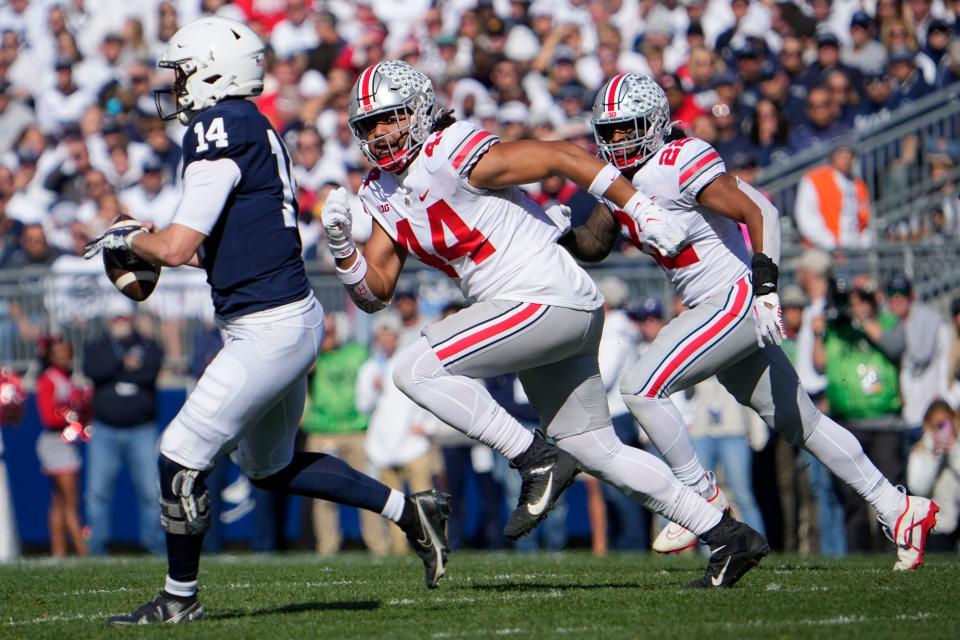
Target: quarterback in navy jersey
[(238, 221)]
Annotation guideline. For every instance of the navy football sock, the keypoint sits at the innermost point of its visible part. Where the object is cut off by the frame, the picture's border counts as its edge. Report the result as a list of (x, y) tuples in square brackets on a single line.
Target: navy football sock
[(319, 475)]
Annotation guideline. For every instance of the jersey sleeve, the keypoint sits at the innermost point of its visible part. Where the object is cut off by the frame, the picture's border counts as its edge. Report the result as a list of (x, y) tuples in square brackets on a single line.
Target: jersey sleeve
[(698, 164), (461, 145), (215, 134)]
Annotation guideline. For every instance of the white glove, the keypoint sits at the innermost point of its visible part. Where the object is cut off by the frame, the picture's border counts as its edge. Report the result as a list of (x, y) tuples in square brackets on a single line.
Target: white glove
[(338, 223), (769, 325), (559, 215), (117, 236), (662, 230)]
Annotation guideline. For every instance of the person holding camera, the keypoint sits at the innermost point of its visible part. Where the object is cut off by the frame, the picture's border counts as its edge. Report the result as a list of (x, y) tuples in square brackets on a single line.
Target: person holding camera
[(933, 469), (858, 347)]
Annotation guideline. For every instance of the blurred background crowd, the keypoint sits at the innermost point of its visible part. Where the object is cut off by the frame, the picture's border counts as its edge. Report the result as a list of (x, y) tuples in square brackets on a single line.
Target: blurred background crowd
[(844, 111)]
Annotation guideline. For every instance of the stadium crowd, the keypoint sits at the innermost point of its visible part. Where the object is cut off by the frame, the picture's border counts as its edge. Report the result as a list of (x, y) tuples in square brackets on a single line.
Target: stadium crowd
[(762, 81)]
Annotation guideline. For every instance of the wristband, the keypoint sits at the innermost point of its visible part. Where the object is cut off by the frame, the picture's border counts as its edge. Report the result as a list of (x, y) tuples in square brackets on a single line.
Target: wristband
[(602, 181), (765, 274), (128, 239), (354, 279)]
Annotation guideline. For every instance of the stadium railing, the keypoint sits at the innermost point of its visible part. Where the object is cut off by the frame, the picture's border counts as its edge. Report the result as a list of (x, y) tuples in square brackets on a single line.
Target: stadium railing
[(900, 187), (74, 303)]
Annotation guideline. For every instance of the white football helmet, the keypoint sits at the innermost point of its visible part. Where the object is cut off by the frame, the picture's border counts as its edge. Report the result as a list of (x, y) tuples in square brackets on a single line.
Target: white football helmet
[(213, 58), (625, 100), (392, 87)]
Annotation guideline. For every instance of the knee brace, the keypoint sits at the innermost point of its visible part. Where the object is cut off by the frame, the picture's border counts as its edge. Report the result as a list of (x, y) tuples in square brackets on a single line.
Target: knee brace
[(184, 499)]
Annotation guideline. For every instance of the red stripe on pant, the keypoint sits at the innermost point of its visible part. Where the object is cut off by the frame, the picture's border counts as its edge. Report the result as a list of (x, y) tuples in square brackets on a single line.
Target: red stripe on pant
[(503, 326), (705, 336)]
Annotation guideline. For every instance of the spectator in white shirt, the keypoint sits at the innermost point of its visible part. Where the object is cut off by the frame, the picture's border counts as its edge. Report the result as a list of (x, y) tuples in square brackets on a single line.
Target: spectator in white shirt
[(64, 102), (296, 33), (152, 198)]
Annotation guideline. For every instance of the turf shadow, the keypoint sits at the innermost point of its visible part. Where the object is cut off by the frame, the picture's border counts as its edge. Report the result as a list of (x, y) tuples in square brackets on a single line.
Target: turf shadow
[(297, 607)]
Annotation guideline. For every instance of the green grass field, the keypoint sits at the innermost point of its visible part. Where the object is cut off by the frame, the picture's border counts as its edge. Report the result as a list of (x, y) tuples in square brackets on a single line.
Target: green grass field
[(569, 595)]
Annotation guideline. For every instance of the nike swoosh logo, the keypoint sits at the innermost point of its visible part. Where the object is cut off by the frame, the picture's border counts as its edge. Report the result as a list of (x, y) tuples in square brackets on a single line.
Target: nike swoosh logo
[(536, 508), (673, 534), (423, 195), (718, 579)]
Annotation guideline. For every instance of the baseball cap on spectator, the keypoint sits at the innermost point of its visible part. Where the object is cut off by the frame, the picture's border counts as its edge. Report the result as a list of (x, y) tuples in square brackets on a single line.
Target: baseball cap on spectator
[(111, 126), (943, 150), (815, 261), (406, 292), (695, 29), (874, 76), (574, 91), (485, 110), (723, 79), (793, 296), (446, 40), (860, 19), (899, 284), (495, 27), (614, 291), (748, 50), (649, 308), (843, 142), (71, 130), (901, 54), (386, 322), (564, 53), (939, 24), (827, 39), (152, 163), (513, 112), (769, 70), (63, 62), (113, 36)]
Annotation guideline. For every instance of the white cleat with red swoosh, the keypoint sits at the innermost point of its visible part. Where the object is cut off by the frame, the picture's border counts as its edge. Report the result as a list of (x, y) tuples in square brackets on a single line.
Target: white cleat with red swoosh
[(673, 538), (910, 531)]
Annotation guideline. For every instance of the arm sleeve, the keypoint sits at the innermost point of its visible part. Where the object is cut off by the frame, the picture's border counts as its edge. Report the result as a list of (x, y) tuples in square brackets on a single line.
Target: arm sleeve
[(206, 186), (809, 220)]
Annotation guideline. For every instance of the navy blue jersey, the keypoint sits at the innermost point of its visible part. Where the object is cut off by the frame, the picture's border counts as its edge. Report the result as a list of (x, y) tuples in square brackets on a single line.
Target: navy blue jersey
[(253, 253)]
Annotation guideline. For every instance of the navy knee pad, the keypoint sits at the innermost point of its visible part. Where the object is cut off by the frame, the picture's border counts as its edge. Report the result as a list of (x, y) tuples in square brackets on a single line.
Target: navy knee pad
[(184, 499)]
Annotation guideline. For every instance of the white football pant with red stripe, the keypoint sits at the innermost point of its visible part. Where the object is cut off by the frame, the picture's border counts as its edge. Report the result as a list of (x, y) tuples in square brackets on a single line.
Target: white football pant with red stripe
[(717, 337), (554, 351)]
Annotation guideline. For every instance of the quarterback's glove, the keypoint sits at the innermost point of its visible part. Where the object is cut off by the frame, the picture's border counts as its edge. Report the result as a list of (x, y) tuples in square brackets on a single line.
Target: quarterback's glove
[(661, 230), (338, 223), (117, 236), (559, 215), (769, 323)]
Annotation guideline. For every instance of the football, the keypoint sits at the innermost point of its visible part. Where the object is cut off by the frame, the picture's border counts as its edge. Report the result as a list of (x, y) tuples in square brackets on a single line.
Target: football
[(133, 276)]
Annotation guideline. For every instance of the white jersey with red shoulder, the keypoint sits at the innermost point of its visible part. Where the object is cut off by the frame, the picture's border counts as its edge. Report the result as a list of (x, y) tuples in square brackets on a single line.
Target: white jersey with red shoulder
[(498, 243), (715, 255)]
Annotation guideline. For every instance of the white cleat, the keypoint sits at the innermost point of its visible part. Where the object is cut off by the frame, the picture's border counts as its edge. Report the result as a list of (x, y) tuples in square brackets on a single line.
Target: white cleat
[(673, 538), (909, 532)]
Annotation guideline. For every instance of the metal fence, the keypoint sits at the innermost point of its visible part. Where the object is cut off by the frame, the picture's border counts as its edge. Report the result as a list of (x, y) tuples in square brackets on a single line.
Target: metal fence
[(76, 302), (893, 153)]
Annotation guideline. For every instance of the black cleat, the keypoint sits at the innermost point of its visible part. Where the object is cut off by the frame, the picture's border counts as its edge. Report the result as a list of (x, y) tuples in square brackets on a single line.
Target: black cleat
[(162, 609), (428, 537), (735, 548), (546, 471)]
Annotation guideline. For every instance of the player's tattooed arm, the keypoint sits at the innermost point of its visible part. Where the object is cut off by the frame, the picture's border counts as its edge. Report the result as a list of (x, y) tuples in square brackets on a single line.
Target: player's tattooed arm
[(593, 240), (508, 164), (371, 277)]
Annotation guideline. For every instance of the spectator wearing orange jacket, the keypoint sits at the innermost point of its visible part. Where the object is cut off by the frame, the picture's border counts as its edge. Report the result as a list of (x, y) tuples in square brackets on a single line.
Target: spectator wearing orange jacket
[(832, 209)]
